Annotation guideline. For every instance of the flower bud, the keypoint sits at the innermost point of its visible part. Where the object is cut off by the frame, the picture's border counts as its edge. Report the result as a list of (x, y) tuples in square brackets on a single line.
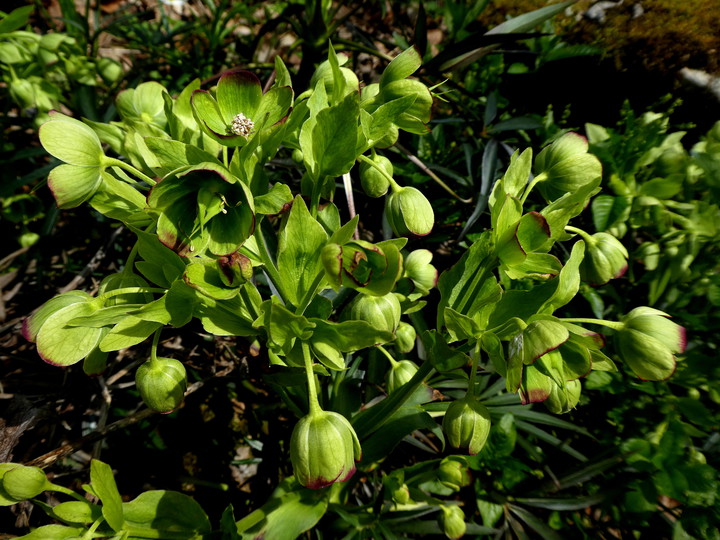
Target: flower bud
[(400, 374), (400, 495), (605, 259), (323, 449), (648, 342), (235, 269), (452, 521), (562, 400), (324, 73), (453, 473), (162, 384), (405, 337), (24, 483), (467, 425), (382, 312), (110, 70), (419, 270), (409, 212), (373, 182)]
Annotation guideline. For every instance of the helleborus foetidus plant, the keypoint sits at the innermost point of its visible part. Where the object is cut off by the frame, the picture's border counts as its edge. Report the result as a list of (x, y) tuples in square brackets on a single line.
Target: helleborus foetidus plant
[(265, 255)]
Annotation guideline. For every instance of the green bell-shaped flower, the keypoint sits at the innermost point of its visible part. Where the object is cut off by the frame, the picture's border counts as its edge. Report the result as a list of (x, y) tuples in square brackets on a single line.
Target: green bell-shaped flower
[(422, 275), (563, 400), (367, 267), (565, 166), (382, 312), (323, 449), (399, 374), (648, 342), (467, 424), (162, 383), (239, 110), (203, 208), (452, 521), (409, 212), (605, 259)]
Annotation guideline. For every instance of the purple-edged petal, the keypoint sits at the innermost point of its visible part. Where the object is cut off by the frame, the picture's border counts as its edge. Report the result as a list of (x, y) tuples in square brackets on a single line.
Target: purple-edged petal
[(238, 92), (274, 105), (208, 112)]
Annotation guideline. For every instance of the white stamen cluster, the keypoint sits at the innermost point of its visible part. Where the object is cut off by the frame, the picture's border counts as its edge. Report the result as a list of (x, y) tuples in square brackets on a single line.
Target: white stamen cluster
[(242, 125)]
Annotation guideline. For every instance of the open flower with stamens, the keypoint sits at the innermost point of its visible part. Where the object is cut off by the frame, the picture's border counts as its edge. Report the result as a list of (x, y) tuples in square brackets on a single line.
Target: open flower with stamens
[(239, 110)]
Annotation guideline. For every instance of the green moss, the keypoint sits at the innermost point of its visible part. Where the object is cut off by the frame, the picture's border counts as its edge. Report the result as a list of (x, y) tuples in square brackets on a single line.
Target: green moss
[(669, 35)]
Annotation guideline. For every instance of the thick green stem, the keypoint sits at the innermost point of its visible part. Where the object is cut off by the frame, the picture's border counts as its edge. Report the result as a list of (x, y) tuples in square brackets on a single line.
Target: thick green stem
[(473, 370), (615, 325), (393, 362), (270, 268), (130, 290), (539, 178), (127, 269), (153, 348), (584, 235), (225, 156), (393, 184), (112, 162), (313, 403), (424, 168)]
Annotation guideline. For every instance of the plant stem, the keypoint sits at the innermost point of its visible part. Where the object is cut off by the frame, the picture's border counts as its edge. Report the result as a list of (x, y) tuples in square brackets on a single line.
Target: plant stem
[(539, 178), (225, 156), (393, 362), (153, 348), (131, 290), (424, 168), (108, 161), (473, 370), (585, 236), (270, 268), (393, 184), (313, 403), (127, 269), (615, 325)]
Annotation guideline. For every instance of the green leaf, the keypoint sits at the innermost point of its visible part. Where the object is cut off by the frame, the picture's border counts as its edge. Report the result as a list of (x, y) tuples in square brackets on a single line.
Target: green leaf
[(291, 511), (118, 200), (53, 532), (568, 281), (299, 247), (204, 276), (278, 199), (442, 357), (165, 514), (528, 21), (77, 512), (230, 317), (608, 211), (283, 327), (160, 264), (16, 19), (328, 140), (103, 483), (402, 66), (516, 177), (128, 332), (171, 155), (402, 423), (469, 285)]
